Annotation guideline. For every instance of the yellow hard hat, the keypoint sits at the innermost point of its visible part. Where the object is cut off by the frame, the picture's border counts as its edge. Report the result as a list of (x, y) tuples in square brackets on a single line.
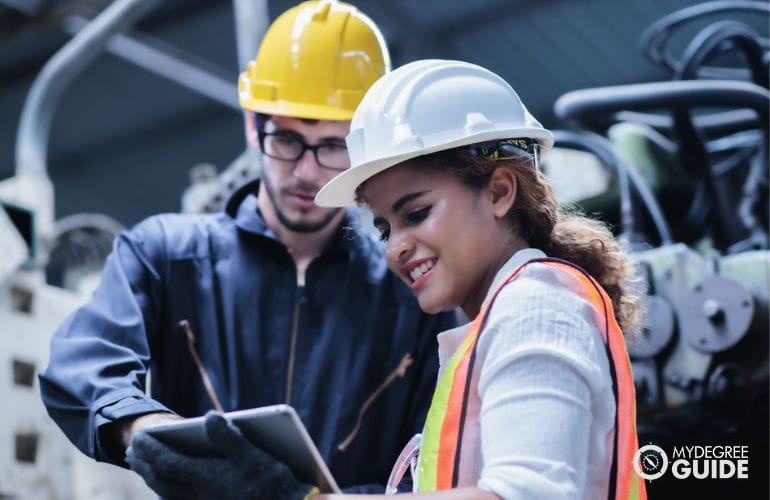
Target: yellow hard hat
[(316, 61)]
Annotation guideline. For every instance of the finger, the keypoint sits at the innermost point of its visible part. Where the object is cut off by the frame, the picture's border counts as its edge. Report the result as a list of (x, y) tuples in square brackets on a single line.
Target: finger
[(227, 438)]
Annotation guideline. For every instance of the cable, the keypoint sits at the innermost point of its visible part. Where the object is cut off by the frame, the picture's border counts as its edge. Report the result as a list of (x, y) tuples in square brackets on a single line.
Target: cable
[(715, 39), (654, 39), (602, 148), (719, 37)]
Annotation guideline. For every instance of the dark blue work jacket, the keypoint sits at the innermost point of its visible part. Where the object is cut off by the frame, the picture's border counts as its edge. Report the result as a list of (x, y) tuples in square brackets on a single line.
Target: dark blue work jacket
[(325, 348)]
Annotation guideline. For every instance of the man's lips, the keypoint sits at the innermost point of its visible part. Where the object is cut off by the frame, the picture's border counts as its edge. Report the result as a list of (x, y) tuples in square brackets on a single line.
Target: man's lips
[(304, 200)]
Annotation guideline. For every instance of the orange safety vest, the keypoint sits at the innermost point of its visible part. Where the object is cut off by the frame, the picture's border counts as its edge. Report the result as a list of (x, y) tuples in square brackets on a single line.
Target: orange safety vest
[(439, 455)]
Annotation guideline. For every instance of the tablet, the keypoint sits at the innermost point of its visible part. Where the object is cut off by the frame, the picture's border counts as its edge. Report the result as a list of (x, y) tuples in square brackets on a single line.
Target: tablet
[(275, 429)]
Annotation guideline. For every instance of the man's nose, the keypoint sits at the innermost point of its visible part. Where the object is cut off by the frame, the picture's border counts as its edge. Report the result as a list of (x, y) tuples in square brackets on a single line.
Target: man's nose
[(307, 167)]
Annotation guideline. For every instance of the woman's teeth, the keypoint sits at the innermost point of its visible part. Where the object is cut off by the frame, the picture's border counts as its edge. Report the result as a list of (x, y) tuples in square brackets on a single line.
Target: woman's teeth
[(421, 269)]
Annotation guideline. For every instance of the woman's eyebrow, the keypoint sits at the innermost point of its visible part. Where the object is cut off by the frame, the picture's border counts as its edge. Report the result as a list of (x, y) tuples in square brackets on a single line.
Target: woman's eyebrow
[(406, 199), (399, 204)]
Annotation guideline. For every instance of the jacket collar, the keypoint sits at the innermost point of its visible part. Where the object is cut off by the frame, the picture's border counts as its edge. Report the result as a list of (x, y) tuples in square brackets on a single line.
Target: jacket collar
[(243, 208)]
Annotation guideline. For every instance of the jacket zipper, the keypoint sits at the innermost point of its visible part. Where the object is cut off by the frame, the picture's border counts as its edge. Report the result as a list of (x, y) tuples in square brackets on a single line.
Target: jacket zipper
[(292, 350), (294, 334), (399, 372)]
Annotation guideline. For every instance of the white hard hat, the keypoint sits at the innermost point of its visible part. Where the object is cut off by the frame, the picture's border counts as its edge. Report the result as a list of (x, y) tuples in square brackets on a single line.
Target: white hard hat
[(423, 107)]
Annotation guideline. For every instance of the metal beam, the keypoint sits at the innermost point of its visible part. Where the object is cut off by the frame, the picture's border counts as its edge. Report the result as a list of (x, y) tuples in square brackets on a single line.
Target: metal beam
[(28, 7), (58, 73), (156, 56), (251, 22)]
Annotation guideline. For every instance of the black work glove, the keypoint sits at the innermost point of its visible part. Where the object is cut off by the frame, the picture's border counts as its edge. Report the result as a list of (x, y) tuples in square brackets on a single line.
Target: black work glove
[(242, 472)]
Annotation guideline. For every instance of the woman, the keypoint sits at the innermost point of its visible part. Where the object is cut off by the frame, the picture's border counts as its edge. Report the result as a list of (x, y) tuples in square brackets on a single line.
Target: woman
[(535, 396)]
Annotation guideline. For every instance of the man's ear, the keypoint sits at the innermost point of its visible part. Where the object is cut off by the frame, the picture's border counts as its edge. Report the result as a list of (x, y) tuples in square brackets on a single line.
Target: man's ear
[(251, 128), (502, 190)]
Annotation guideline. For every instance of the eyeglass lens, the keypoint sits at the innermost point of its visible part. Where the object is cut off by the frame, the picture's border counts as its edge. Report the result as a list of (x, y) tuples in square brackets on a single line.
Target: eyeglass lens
[(289, 148)]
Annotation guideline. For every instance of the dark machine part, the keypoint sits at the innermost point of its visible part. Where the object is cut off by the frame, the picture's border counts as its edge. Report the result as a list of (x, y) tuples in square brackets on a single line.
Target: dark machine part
[(658, 329), (648, 384), (716, 207), (78, 248), (716, 315), (655, 39), (627, 176), (701, 366), (703, 312), (716, 197), (721, 73)]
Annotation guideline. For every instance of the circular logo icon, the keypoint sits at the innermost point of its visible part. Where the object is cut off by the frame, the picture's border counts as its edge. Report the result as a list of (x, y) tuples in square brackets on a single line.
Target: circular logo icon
[(650, 462)]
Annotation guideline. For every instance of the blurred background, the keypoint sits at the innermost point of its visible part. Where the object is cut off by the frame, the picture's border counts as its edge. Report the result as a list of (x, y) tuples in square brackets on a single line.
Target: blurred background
[(124, 138), (662, 114)]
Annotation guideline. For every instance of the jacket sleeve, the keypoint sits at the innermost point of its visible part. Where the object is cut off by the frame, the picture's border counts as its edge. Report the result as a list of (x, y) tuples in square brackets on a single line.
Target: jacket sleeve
[(100, 354)]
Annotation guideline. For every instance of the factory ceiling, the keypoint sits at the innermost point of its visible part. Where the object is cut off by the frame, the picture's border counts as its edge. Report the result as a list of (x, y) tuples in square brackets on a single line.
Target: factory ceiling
[(124, 136)]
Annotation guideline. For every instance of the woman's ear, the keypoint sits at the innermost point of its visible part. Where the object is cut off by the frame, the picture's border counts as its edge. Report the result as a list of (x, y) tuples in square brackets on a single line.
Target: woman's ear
[(502, 190)]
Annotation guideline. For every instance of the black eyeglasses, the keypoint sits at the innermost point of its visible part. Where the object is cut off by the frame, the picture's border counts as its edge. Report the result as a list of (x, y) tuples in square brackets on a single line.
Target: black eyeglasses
[(287, 147)]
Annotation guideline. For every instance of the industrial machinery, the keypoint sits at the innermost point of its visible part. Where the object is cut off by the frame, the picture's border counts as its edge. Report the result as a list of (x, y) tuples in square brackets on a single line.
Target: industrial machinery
[(689, 194)]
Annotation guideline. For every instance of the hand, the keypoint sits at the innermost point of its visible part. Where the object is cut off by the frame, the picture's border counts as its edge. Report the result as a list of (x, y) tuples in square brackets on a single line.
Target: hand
[(243, 471)]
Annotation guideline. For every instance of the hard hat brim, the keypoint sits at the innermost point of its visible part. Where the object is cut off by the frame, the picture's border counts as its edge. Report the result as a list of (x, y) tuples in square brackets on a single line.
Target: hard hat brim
[(298, 110), (341, 191)]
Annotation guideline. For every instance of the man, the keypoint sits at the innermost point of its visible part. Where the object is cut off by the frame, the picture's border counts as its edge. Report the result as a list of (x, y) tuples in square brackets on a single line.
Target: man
[(287, 302)]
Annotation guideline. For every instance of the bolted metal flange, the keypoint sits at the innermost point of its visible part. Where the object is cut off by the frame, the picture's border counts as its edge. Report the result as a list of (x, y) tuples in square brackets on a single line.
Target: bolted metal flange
[(716, 314), (657, 332)]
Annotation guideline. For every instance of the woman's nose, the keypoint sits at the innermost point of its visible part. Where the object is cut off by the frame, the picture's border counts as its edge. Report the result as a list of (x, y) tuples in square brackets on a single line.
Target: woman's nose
[(399, 249)]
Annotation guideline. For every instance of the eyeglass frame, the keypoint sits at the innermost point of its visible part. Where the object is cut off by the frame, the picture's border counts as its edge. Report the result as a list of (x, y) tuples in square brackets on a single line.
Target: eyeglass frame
[(261, 135)]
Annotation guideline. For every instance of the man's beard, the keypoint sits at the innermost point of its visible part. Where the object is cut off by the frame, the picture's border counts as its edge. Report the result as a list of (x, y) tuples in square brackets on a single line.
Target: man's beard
[(297, 227), (304, 227)]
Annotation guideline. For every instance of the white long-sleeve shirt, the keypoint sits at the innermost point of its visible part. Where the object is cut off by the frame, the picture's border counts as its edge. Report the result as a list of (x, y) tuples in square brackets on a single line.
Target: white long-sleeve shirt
[(547, 410)]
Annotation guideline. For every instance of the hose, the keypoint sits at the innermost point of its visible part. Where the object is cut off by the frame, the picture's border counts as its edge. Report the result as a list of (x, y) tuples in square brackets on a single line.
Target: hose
[(627, 174)]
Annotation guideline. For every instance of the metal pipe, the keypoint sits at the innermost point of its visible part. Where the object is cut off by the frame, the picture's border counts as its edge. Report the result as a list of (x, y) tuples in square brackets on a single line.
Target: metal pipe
[(169, 62), (58, 73), (251, 22), (587, 104)]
